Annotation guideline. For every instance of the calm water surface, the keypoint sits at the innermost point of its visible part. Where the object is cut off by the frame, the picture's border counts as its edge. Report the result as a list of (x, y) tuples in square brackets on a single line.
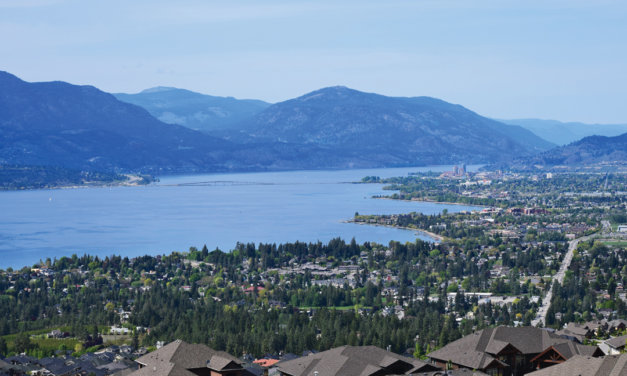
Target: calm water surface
[(183, 211)]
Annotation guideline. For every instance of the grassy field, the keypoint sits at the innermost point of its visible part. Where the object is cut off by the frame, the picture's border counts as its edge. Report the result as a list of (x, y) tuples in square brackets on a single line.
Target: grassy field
[(52, 344), (44, 346)]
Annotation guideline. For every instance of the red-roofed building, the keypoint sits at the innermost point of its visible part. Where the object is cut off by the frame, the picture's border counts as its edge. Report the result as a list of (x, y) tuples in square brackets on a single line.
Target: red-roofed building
[(266, 363)]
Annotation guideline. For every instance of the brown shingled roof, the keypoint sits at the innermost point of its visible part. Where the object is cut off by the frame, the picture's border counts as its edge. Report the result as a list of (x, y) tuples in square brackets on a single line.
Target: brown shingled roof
[(162, 368), (578, 365), (569, 349), (178, 357), (478, 350), (353, 361)]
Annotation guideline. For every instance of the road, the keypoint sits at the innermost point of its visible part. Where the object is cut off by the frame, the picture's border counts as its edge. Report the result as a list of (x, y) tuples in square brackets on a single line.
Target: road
[(607, 227), (559, 276)]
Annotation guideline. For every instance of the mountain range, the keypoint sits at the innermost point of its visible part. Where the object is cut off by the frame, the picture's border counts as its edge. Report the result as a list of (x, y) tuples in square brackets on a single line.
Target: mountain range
[(591, 152), (561, 133), (197, 111), (83, 128), (387, 131)]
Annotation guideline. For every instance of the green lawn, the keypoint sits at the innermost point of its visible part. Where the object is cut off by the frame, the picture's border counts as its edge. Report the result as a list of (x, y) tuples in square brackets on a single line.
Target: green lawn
[(52, 344), (44, 346)]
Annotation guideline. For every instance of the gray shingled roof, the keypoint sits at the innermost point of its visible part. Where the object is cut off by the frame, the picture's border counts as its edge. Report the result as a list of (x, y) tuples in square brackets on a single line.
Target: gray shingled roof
[(352, 361), (3, 364), (575, 330), (611, 365), (468, 351), (570, 349), (476, 350), (162, 368), (617, 342), (615, 323), (177, 357)]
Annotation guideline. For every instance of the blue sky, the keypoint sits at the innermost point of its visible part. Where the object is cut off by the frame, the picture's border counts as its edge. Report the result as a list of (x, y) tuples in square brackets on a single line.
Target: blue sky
[(564, 60)]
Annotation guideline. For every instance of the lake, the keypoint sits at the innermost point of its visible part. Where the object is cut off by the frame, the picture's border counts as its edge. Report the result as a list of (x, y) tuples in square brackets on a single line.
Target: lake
[(217, 210)]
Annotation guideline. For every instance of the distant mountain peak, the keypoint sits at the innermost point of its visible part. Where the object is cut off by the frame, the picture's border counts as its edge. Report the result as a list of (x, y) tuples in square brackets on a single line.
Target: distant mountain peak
[(157, 89), (194, 110), (376, 130), (335, 89), (330, 93)]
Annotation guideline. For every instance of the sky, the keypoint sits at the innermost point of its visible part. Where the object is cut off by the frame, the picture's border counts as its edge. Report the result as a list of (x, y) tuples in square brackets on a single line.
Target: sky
[(551, 59)]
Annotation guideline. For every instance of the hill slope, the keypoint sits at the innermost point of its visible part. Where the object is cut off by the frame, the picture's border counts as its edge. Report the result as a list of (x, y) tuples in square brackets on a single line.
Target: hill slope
[(197, 111), (81, 127), (376, 130), (565, 133), (591, 152)]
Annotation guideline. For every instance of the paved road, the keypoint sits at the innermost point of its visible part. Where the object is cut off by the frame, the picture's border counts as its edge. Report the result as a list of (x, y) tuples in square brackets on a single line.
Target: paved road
[(607, 227), (559, 276)]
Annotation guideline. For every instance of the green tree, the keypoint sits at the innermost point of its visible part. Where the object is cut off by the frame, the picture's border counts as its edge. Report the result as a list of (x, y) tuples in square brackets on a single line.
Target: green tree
[(3, 347), (418, 351), (135, 340), (22, 343)]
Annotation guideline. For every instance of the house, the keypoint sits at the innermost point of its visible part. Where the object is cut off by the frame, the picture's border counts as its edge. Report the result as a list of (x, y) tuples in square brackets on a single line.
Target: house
[(56, 333), (179, 358), (579, 332), (353, 361), (253, 289), (255, 370), (615, 345), (611, 365), (508, 351), (574, 333), (616, 325), (266, 362), (118, 330), (559, 353)]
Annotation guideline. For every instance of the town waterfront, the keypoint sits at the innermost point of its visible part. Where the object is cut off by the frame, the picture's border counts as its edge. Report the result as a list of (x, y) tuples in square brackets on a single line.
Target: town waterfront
[(218, 210)]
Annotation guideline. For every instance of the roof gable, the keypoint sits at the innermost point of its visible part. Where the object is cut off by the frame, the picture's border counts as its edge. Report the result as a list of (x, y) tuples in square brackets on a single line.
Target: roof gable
[(185, 356), (617, 342), (351, 361), (477, 350), (611, 365)]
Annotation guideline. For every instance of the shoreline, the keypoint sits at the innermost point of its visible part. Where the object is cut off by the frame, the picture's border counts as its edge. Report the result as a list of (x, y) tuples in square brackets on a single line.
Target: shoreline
[(429, 201), (436, 237), (134, 181), (85, 186)]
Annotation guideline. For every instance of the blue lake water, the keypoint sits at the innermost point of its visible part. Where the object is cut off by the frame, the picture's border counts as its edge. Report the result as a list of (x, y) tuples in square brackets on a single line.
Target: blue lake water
[(182, 211)]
